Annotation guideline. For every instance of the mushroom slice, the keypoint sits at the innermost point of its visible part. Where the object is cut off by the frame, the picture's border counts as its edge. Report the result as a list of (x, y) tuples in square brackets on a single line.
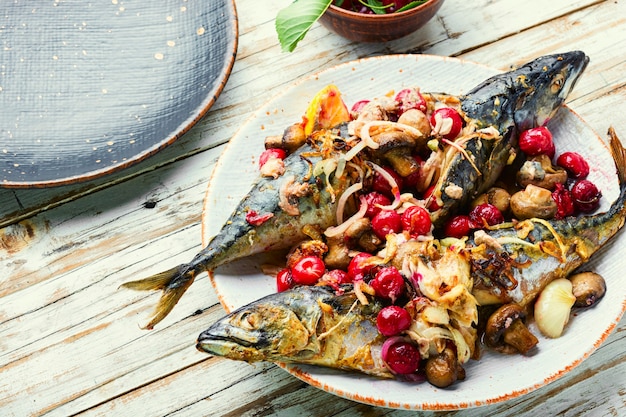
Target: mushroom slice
[(588, 288), (506, 331)]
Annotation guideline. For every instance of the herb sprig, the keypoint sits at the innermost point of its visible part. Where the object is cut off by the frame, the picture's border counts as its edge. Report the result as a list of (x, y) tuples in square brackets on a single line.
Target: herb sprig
[(294, 21)]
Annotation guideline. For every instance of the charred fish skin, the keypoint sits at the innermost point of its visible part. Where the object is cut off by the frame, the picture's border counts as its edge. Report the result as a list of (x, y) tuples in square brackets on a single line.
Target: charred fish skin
[(517, 271), (239, 238), (510, 102), (306, 325)]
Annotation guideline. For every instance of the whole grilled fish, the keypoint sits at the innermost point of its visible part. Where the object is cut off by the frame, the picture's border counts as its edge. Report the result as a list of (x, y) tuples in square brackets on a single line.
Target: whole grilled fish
[(314, 325), (511, 102), (508, 102)]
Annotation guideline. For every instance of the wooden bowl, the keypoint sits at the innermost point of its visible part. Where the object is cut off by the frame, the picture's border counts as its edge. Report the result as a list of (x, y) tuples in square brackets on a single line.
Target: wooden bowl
[(362, 27)]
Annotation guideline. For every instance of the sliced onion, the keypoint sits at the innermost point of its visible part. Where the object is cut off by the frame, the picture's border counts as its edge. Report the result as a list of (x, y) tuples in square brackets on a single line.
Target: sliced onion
[(341, 204), (342, 227), (397, 197), (355, 150)]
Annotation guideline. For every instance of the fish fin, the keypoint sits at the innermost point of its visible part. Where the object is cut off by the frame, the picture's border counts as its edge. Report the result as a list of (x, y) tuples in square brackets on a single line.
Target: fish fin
[(173, 282), (619, 154)]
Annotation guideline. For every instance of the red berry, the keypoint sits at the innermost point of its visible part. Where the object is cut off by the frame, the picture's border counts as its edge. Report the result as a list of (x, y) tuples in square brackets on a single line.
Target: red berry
[(403, 358), (357, 271), (381, 185), (373, 199), (388, 283), (447, 122), (284, 280), (308, 270), (586, 196), (416, 221), (433, 205), (410, 98), (358, 106), (564, 201), (392, 320), (458, 226), (337, 276), (487, 212), (271, 153), (574, 164), (537, 141), (386, 222)]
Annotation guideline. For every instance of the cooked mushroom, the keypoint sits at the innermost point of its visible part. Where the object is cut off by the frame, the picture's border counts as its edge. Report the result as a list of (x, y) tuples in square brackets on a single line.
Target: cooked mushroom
[(397, 147), (293, 137), (532, 202), (417, 119), (539, 171), (496, 196), (337, 256), (444, 369), (361, 232), (588, 288), (506, 331)]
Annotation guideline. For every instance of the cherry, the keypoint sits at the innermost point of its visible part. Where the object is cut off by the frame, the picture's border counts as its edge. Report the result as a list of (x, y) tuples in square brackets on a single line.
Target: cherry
[(284, 280), (564, 202), (416, 221), (358, 106), (411, 180), (537, 141), (271, 153), (375, 198), (392, 320), (447, 122), (410, 98), (487, 212), (574, 164), (357, 271), (458, 226), (380, 184), (386, 222), (403, 358), (337, 276), (308, 270), (432, 204), (388, 283), (586, 196)]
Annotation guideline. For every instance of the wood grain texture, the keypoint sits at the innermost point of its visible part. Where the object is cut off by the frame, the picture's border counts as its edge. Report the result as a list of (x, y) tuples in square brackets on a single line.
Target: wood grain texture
[(70, 342)]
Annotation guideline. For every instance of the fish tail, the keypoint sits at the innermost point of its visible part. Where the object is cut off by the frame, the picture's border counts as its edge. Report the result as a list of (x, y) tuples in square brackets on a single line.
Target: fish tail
[(619, 154), (173, 283)]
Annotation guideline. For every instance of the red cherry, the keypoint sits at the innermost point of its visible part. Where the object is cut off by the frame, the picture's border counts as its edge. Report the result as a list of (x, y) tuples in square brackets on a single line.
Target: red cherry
[(458, 226), (386, 222), (586, 196), (411, 180), (271, 153), (564, 201), (358, 106), (432, 204), (308, 270), (410, 98), (375, 198), (403, 358), (381, 185), (487, 212), (357, 271), (416, 221), (448, 121), (388, 283), (337, 276), (537, 141), (574, 164), (392, 320), (284, 280)]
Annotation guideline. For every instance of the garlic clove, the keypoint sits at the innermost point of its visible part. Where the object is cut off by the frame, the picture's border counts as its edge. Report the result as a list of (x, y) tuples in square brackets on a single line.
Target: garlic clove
[(552, 308)]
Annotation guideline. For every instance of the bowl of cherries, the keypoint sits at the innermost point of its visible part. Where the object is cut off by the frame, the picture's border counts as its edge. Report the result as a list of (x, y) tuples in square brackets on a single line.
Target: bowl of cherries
[(378, 20)]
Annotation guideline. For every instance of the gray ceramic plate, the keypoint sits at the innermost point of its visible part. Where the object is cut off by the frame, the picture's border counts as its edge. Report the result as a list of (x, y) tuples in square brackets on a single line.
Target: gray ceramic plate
[(87, 88)]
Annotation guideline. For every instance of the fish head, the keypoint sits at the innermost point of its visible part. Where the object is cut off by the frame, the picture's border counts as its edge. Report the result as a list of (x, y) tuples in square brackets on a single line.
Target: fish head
[(527, 96), (543, 85), (277, 327)]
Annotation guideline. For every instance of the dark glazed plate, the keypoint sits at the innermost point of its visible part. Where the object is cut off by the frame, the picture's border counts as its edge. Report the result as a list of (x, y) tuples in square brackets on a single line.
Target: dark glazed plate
[(88, 88)]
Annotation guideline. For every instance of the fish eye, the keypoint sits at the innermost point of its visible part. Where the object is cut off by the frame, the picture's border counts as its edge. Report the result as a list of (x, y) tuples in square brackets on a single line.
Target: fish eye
[(557, 83), (248, 320)]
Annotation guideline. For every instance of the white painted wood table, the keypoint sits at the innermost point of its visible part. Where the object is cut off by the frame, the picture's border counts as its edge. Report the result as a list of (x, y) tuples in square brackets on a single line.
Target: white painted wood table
[(70, 341)]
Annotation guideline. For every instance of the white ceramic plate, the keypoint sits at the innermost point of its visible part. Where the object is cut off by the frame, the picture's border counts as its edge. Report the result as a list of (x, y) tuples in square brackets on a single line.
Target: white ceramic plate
[(494, 378)]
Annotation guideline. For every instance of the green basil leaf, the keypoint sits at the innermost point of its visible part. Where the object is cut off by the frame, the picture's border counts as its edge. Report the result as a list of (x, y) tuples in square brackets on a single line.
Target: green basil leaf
[(294, 21)]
